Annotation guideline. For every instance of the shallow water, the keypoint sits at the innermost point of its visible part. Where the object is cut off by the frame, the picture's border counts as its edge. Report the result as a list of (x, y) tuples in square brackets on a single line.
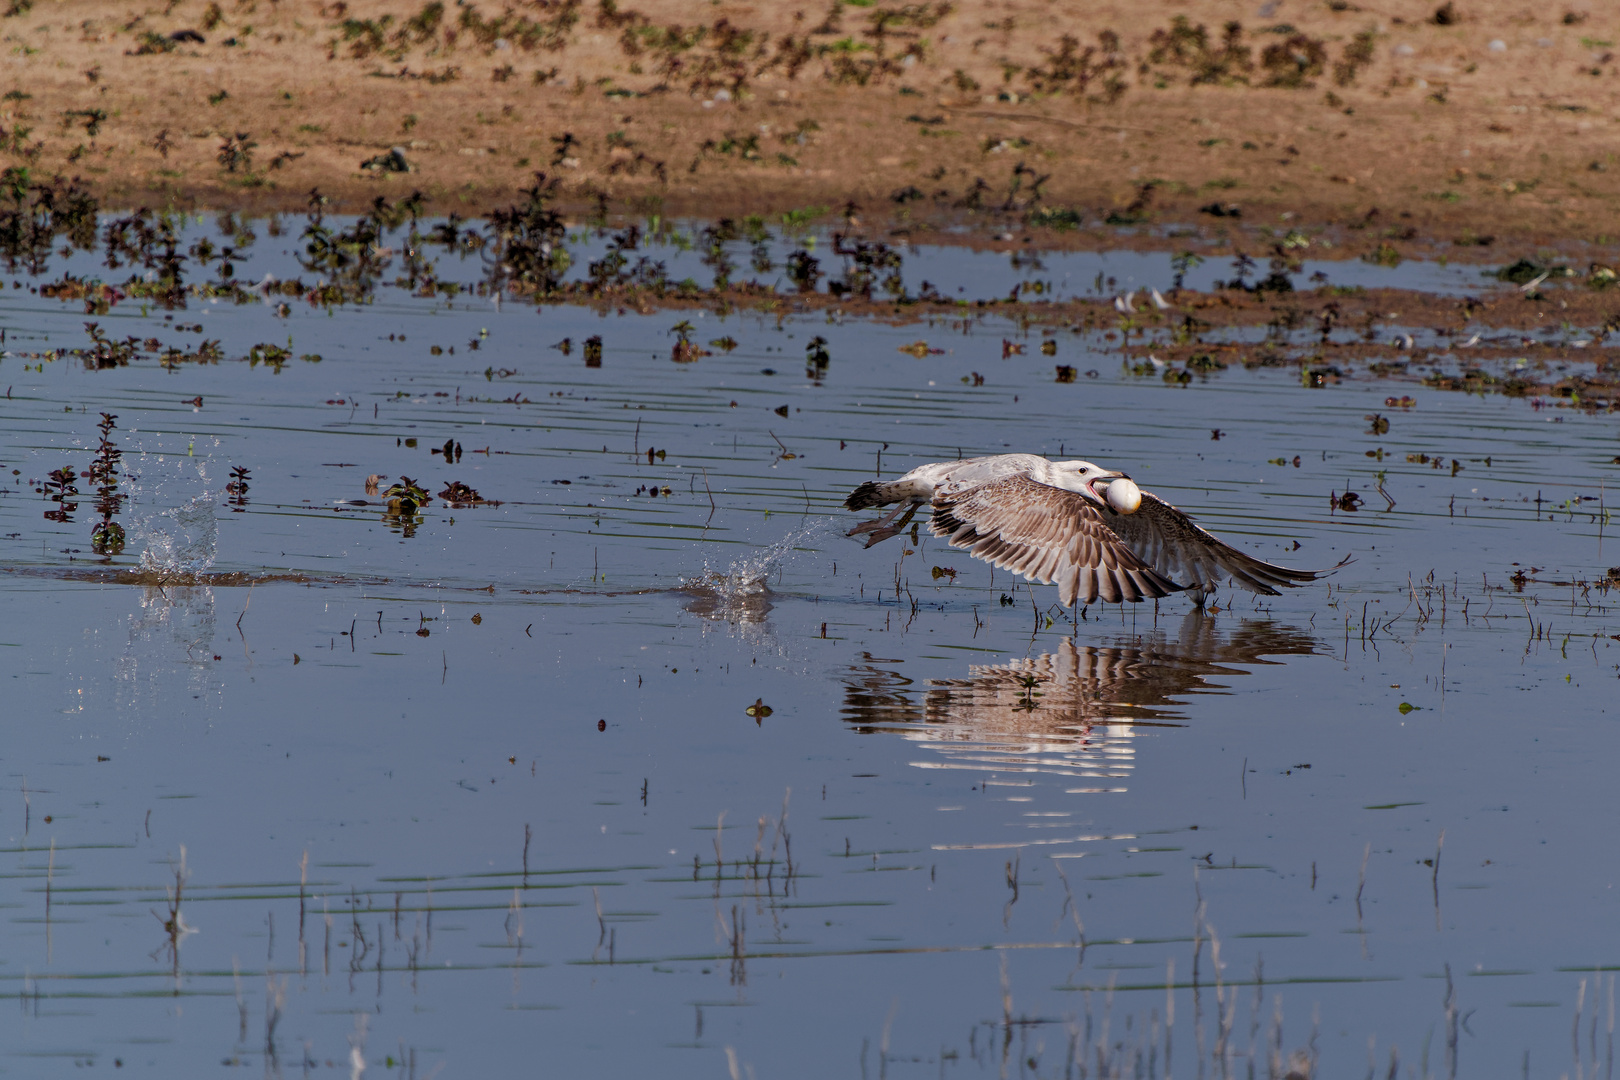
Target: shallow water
[(1057, 274), (973, 833)]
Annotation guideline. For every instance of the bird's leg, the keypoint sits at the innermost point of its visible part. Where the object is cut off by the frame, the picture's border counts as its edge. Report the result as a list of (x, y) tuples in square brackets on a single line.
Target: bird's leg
[(1195, 593), (881, 534), (878, 523), (871, 526)]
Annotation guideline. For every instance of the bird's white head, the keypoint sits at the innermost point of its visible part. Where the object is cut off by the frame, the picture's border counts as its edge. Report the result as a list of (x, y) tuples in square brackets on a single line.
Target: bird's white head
[(1082, 477)]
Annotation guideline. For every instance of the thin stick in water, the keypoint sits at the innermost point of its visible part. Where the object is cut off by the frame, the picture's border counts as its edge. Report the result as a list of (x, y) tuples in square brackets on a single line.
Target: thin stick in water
[(1439, 845)]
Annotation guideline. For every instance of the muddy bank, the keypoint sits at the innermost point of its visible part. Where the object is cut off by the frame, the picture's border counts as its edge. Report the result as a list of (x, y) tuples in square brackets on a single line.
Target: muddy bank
[(1451, 128)]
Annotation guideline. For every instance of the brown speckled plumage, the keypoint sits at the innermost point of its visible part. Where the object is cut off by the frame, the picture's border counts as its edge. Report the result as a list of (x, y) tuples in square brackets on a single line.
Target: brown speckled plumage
[(1046, 522), (1050, 536)]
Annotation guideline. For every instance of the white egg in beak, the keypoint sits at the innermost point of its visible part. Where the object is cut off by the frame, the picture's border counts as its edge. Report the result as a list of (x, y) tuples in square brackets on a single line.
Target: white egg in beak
[(1124, 495)]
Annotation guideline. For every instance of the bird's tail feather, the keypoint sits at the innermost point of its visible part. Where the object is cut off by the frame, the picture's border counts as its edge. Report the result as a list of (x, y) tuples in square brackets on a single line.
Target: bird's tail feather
[(867, 495)]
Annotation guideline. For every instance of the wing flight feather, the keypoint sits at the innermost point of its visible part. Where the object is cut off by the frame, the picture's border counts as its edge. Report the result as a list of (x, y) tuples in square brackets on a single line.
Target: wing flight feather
[(1048, 535), (1166, 538)]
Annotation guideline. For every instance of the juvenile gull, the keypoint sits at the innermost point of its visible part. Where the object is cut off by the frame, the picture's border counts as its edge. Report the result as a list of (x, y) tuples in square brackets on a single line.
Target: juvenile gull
[(1089, 530)]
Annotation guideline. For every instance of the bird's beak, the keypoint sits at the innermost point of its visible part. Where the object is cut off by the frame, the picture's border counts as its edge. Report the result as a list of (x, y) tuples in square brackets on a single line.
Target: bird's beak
[(1091, 485)]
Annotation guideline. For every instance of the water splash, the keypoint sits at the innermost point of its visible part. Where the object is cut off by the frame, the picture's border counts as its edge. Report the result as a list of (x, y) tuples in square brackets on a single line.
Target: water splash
[(181, 541), (741, 593)]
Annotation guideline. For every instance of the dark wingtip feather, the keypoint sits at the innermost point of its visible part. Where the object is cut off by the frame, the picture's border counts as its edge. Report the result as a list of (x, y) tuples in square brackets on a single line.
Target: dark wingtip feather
[(1281, 575), (1161, 585)]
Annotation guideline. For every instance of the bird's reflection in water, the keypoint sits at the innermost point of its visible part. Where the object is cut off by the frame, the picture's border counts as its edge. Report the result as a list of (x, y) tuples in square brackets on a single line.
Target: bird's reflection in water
[(1075, 712)]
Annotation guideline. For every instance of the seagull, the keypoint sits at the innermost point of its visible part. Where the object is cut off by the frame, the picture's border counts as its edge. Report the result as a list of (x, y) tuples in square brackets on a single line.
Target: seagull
[(1089, 530), (1123, 305), (1159, 301), (1530, 286)]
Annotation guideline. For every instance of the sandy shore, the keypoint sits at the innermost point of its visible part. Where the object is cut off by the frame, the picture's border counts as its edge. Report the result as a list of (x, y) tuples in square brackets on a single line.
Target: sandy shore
[(1472, 128)]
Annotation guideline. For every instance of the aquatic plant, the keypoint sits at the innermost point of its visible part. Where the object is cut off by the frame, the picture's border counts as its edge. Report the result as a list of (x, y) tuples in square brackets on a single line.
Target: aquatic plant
[(528, 240), (459, 495), (237, 489), (107, 536)]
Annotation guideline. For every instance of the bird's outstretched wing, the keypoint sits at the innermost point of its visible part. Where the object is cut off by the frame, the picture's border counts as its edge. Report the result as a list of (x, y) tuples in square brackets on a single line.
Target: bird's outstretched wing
[(1048, 535), (1169, 541)]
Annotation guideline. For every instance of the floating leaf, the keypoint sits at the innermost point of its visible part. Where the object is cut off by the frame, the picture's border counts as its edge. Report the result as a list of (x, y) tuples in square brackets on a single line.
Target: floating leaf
[(920, 349)]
